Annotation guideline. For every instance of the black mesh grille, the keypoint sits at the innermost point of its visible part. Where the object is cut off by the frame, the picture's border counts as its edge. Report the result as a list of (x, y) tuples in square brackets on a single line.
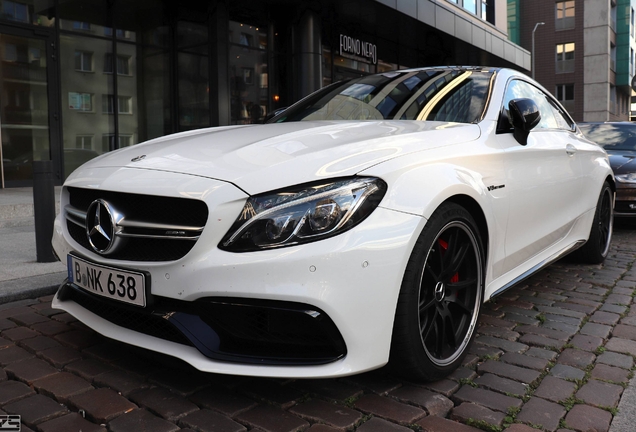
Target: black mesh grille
[(263, 332), (142, 322), (146, 208)]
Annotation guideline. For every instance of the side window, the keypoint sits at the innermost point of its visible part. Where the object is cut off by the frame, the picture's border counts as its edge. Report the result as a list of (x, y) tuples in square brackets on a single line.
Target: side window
[(521, 89), (563, 120)]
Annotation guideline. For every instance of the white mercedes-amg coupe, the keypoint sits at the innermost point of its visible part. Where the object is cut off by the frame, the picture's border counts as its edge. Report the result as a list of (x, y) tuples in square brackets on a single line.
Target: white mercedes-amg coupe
[(364, 225)]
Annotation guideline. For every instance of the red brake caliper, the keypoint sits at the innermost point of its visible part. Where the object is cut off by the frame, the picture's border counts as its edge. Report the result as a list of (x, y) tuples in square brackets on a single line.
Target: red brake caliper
[(444, 245)]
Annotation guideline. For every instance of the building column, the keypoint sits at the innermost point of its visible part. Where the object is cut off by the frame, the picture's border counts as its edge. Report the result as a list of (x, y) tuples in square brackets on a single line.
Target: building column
[(219, 65), (308, 54)]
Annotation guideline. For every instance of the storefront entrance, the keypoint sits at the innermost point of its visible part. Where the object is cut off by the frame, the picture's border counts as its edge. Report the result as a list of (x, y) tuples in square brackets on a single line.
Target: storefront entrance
[(28, 130)]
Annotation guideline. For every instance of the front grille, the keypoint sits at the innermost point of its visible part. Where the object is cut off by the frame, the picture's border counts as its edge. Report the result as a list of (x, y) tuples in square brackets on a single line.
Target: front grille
[(155, 228), (227, 329)]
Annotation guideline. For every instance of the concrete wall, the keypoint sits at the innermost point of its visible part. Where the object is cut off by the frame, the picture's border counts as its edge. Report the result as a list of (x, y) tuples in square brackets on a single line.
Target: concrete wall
[(596, 60)]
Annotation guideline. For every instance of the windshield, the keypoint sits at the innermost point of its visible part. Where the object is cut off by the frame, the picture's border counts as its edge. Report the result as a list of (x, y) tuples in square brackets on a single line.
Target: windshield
[(611, 136), (448, 95)]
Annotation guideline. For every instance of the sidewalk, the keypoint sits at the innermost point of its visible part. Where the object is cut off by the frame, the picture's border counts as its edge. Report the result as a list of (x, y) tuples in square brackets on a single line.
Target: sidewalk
[(555, 352), (21, 276)]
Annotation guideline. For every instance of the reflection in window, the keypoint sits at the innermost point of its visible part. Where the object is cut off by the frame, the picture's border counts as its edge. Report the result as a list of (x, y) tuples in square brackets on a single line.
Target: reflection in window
[(120, 34), (80, 101), (81, 26), (564, 15), (123, 64), (246, 40), (10, 53), (248, 73), (15, 11), (124, 140), (470, 6), (248, 76), (565, 95), (436, 94), (612, 136), (124, 104), (565, 57), (83, 61), (84, 142)]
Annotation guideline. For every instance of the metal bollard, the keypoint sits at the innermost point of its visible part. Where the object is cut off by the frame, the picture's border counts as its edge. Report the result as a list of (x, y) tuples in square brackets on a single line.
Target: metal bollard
[(43, 209)]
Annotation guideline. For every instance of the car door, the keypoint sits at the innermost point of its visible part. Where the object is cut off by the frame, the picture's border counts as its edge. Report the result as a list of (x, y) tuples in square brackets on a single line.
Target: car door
[(541, 178)]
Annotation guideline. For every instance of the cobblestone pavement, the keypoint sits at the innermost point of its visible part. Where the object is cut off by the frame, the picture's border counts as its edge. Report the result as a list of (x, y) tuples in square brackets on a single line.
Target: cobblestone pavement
[(553, 353)]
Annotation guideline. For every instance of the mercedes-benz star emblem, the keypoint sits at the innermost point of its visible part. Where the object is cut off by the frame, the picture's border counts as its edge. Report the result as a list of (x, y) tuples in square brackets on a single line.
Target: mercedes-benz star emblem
[(100, 226)]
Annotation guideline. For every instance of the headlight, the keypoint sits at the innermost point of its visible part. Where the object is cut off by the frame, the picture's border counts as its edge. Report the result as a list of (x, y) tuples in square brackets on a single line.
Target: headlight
[(626, 178), (303, 214)]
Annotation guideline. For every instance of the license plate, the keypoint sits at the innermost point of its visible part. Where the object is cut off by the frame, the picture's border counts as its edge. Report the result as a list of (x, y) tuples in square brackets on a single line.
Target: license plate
[(113, 283)]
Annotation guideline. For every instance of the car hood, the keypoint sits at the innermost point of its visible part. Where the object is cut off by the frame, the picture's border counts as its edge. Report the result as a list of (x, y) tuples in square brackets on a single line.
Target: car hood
[(622, 162), (258, 158)]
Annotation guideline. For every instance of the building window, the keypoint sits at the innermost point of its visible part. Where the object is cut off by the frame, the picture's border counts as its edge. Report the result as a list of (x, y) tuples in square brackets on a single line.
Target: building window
[(123, 64), (470, 6), (84, 142), (631, 27), (564, 15), (613, 57), (84, 61), (14, 11), (80, 101), (565, 95), (124, 104), (565, 57)]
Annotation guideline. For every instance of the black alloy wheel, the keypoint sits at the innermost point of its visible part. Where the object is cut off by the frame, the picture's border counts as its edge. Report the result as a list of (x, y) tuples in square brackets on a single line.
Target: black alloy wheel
[(440, 298), (449, 310), (596, 249)]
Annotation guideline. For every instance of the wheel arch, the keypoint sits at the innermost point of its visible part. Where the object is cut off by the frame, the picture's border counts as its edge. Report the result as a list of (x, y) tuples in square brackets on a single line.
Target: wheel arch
[(478, 214)]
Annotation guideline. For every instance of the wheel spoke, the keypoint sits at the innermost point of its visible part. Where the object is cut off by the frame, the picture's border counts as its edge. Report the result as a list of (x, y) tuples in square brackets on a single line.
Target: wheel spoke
[(455, 257), (424, 305), (430, 323), (466, 310), (455, 286), (432, 272), (453, 334)]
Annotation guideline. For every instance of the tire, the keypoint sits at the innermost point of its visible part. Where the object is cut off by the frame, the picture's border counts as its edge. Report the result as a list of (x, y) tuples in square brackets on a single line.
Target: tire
[(440, 297), (596, 249)]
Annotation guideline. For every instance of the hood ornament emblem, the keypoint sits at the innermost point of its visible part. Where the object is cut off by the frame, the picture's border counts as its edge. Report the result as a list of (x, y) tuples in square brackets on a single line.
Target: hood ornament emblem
[(138, 158)]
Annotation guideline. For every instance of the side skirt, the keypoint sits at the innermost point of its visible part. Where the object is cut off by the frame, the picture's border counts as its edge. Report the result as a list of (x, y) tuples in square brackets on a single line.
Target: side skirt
[(538, 267)]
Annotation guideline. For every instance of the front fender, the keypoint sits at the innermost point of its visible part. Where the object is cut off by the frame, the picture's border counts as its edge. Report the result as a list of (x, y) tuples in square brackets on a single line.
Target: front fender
[(420, 186)]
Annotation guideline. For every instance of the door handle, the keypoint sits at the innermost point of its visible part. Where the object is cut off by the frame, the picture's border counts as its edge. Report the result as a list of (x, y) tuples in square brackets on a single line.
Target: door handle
[(570, 149)]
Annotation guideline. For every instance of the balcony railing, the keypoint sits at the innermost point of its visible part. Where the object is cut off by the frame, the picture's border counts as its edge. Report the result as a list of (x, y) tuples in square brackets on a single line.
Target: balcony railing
[(564, 23), (565, 66)]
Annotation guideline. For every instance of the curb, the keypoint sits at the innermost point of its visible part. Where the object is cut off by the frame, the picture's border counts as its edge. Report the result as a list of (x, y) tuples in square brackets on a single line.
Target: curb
[(30, 287)]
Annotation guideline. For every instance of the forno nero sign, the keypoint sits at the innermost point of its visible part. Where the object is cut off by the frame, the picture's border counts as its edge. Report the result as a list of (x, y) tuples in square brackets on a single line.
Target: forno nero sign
[(358, 48)]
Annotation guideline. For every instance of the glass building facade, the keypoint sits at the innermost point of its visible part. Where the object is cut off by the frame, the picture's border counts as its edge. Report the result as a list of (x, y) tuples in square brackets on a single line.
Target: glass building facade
[(82, 77)]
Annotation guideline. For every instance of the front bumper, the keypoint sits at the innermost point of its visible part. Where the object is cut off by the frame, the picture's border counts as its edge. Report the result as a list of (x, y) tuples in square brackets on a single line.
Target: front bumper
[(352, 279), (625, 205)]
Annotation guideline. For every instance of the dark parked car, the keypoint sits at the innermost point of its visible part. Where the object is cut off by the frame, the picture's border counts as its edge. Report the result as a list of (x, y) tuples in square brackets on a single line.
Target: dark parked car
[(619, 140)]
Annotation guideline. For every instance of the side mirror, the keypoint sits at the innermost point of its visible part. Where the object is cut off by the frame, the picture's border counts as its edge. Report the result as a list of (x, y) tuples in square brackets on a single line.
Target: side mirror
[(524, 115)]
